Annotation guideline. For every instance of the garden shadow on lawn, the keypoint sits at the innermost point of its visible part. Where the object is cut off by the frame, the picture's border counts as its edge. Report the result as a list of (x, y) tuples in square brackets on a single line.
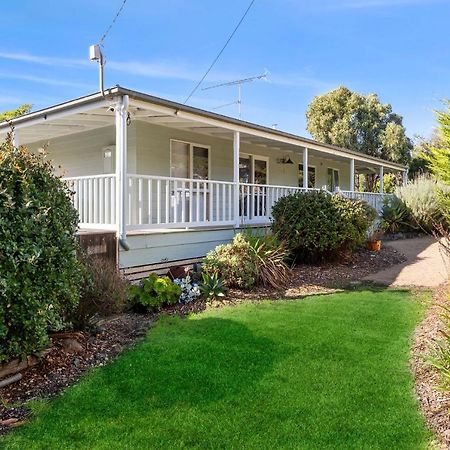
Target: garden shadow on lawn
[(228, 358), (201, 362), (329, 372)]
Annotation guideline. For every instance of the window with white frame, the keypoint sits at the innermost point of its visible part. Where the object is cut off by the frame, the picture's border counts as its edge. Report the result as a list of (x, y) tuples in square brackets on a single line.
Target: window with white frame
[(311, 176), (188, 160), (253, 169)]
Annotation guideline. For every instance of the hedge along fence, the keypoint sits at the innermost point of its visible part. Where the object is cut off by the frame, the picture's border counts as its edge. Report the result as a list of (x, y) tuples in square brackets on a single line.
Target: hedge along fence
[(317, 226), (39, 271)]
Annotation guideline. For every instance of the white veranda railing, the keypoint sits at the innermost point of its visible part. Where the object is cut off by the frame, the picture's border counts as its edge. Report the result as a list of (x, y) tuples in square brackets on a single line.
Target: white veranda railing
[(166, 202), (94, 197), (374, 199)]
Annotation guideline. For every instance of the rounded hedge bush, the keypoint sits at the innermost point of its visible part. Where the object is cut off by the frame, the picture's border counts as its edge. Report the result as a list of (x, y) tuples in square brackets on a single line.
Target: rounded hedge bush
[(39, 271), (234, 263), (317, 226)]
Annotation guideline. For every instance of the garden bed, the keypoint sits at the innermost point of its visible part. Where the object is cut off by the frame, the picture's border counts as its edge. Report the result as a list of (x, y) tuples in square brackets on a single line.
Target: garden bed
[(60, 368), (328, 277), (435, 403)]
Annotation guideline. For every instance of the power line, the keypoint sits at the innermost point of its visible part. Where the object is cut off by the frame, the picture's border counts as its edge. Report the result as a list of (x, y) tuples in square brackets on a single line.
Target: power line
[(100, 42), (220, 53)]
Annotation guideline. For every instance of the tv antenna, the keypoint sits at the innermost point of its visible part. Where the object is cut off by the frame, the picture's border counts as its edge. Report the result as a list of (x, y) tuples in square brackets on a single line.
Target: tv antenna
[(239, 84)]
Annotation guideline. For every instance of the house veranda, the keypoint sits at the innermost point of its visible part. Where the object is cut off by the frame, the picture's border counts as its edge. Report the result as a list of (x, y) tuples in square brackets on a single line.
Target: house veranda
[(172, 181)]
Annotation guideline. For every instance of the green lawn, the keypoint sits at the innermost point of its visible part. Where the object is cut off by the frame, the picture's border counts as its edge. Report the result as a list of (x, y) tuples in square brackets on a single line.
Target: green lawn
[(328, 372)]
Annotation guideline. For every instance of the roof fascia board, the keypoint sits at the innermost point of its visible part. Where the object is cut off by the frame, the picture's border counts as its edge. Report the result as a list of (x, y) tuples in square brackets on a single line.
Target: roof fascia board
[(298, 142), (53, 115), (82, 104)]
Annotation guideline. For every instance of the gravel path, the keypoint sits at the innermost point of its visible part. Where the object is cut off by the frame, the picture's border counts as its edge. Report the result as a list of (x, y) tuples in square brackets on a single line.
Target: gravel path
[(425, 265)]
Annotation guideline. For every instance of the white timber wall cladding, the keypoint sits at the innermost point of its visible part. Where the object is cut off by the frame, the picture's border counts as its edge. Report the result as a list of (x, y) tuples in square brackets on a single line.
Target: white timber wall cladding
[(171, 246), (81, 154), (153, 157)]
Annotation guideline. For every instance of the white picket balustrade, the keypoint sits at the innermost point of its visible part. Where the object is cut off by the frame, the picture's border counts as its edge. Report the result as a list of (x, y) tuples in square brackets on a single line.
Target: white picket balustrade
[(374, 199), (94, 197), (256, 201), (155, 202), (167, 202)]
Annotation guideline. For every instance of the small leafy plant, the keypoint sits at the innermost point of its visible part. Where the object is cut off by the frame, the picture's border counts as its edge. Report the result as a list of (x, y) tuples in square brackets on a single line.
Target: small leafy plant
[(212, 286), (396, 216), (155, 292), (270, 257), (190, 290), (103, 291)]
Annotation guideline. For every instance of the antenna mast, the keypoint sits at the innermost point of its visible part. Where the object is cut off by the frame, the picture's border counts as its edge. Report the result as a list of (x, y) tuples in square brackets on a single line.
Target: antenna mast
[(239, 84), (95, 54)]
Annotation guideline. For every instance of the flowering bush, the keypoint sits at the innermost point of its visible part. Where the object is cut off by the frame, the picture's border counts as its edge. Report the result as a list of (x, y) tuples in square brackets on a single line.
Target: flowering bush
[(190, 290)]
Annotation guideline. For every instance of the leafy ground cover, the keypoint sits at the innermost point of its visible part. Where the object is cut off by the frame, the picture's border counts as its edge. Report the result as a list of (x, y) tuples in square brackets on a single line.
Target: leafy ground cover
[(327, 371)]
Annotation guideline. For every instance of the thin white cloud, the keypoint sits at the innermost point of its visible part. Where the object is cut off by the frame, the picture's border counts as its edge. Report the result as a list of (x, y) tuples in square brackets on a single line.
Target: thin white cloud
[(43, 60), (158, 70), (154, 70), (44, 80)]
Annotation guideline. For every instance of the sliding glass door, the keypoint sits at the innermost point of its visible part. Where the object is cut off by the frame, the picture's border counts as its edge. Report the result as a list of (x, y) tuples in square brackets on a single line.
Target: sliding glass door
[(253, 170)]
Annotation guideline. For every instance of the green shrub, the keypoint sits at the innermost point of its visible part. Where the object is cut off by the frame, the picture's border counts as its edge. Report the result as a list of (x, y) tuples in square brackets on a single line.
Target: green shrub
[(396, 216), (316, 226), (212, 287), (249, 260), (103, 291), (422, 198), (270, 257), (154, 292), (39, 271), (234, 263)]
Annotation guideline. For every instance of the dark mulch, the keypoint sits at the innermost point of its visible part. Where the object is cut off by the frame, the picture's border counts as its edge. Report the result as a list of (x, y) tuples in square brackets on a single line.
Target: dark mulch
[(434, 402), (59, 369), (328, 277)]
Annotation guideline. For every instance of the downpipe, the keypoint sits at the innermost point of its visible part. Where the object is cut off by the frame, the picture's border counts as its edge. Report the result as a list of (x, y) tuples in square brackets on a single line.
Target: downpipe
[(122, 107)]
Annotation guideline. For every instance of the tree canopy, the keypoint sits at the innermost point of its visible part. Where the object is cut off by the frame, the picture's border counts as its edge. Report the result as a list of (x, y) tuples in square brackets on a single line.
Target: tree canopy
[(359, 122), (12, 114)]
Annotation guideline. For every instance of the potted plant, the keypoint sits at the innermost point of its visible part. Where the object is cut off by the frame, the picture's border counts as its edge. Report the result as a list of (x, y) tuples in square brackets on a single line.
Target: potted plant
[(374, 240)]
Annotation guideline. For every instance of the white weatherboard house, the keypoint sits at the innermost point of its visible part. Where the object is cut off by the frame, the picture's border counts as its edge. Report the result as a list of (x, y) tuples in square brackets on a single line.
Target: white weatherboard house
[(174, 181)]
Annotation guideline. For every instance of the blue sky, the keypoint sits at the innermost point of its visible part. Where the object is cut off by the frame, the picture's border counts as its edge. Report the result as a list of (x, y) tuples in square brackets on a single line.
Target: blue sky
[(396, 48)]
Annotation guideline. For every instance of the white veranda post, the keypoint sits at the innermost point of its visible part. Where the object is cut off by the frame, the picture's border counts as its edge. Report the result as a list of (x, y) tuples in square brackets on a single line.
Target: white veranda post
[(381, 179), (15, 138), (305, 168), (352, 175), (121, 165), (236, 146)]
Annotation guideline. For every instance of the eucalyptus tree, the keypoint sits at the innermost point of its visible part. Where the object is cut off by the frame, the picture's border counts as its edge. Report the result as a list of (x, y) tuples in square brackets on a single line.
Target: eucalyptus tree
[(359, 122)]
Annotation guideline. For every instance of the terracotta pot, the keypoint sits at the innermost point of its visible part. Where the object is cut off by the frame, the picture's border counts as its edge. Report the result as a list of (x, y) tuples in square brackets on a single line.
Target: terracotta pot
[(374, 246)]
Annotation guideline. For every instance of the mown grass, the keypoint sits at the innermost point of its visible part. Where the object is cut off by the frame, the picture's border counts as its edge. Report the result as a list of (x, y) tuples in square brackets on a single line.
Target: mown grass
[(326, 372)]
